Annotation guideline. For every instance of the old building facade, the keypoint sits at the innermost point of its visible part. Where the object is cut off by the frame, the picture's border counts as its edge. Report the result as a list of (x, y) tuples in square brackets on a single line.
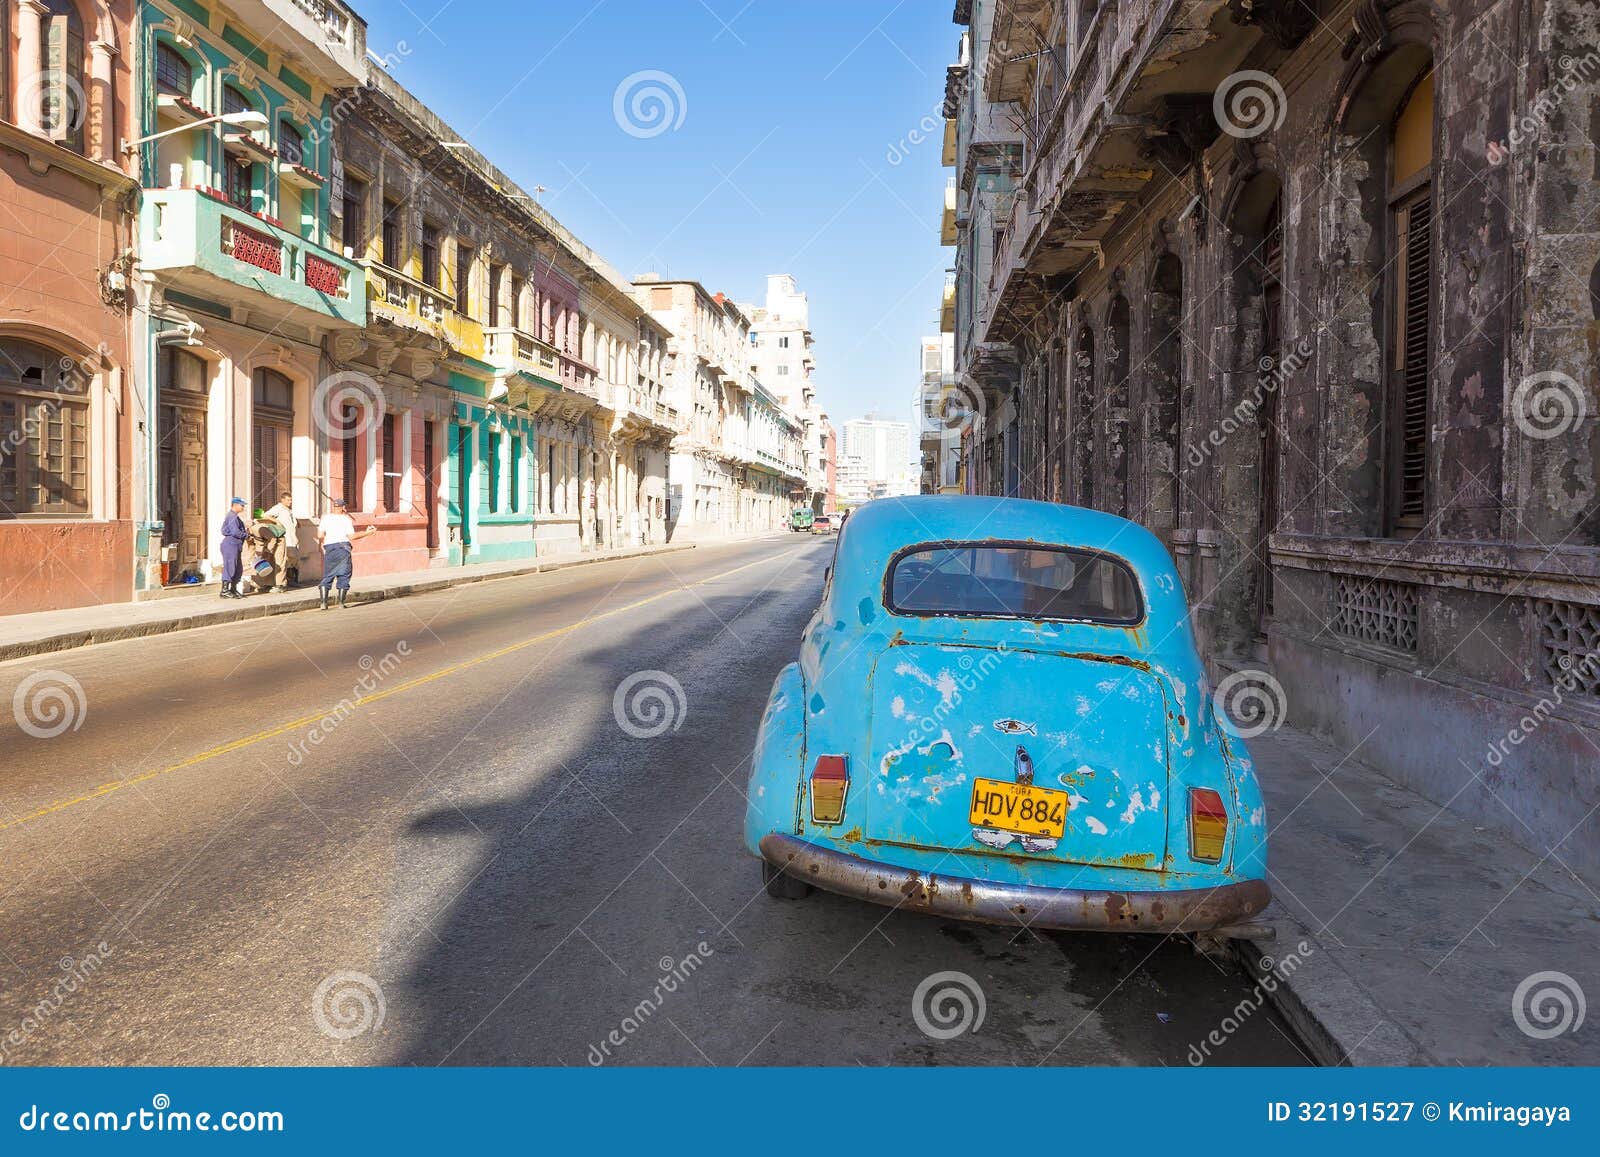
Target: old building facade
[(240, 259), (1310, 290), (240, 280), (783, 358), (519, 383), (67, 391), (738, 462)]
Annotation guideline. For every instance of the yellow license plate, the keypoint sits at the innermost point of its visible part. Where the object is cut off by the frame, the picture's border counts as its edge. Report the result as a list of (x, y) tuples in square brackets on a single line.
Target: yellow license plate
[(1018, 807)]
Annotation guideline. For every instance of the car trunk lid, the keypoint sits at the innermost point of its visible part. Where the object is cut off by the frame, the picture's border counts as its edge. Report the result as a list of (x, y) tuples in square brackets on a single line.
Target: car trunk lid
[(1091, 729)]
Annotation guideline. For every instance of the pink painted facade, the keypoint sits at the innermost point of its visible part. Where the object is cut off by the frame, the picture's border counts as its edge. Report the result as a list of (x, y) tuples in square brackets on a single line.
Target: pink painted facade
[(393, 489)]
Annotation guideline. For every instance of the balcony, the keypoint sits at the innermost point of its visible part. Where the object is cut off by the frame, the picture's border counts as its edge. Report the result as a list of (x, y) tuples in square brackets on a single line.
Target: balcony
[(577, 374), (947, 307), (947, 222), (325, 37), (947, 152), (201, 245), (512, 350), (406, 301), (1102, 119)]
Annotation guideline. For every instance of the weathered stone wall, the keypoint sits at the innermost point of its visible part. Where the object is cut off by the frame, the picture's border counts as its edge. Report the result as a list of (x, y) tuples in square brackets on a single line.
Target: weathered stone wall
[(1422, 650)]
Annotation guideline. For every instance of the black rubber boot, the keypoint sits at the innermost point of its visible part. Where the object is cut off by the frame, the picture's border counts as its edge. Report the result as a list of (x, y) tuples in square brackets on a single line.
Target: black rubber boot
[(342, 595), (322, 598)]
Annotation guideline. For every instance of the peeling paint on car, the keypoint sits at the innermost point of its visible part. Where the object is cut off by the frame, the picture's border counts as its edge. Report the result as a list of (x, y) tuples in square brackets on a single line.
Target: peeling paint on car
[(1123, 726)]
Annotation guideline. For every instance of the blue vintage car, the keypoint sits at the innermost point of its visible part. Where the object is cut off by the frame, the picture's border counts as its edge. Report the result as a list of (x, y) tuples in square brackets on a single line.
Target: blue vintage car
[(999, 714)]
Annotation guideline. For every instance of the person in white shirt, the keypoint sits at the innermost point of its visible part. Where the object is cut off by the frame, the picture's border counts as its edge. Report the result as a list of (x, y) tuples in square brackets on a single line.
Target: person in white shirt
[(280, 547), (336, 532)]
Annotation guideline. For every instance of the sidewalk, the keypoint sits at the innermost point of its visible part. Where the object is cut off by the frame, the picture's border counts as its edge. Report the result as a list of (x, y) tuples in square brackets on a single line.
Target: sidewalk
[(45, 631), (1421, 926)]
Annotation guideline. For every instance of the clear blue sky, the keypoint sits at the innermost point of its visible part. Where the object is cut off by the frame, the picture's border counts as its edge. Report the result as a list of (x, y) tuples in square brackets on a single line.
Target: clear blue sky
[(780, 164)]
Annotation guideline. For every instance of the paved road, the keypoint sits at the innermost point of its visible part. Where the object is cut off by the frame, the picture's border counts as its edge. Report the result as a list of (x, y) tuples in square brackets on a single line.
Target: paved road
[(250, 835)]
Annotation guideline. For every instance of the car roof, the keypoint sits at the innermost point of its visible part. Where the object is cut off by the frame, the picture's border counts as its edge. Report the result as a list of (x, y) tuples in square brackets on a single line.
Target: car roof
[(881, 529)]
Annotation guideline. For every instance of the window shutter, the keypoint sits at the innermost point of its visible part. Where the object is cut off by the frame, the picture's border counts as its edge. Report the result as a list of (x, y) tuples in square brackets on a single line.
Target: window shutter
[(1415, 356), (56, 114)]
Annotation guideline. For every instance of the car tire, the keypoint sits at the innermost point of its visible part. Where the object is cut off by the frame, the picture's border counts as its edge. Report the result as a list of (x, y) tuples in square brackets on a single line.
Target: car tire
[(781, 885)]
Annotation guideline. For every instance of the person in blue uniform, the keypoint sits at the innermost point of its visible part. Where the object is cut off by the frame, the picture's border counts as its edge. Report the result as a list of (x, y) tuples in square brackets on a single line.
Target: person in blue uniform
[(233, 536)]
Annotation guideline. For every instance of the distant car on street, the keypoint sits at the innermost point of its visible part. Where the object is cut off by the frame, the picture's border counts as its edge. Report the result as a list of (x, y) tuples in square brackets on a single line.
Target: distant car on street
[(822, 524), (801, 519), (999, 714)]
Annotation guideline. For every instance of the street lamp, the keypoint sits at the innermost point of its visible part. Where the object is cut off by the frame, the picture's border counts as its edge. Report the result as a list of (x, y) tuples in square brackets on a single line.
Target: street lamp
[(246, 119)]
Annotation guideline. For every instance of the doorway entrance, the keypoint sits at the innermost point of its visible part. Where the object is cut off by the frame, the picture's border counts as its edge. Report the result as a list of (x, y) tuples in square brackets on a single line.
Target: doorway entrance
[(181, 482)]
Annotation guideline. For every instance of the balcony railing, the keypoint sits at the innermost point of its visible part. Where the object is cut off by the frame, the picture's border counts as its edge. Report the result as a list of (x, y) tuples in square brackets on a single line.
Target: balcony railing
[(334, 18), (408, 295), (251, 246), (199, 241), (510, 348)]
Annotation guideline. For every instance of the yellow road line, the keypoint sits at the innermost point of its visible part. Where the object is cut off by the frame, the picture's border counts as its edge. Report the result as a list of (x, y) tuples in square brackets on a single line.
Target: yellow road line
[(307, 720)]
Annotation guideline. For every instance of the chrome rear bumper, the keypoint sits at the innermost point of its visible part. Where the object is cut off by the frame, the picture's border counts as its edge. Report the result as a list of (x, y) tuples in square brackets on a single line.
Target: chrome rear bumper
[(960, 898)]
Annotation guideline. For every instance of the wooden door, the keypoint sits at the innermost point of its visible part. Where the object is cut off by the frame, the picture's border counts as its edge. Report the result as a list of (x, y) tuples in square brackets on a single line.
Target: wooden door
[(430, 484), (182, 485)]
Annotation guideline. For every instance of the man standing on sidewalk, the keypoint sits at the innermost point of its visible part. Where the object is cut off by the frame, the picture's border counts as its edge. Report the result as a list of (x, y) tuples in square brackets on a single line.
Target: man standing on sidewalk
[(233, 536), (336, 532), (283, 543)]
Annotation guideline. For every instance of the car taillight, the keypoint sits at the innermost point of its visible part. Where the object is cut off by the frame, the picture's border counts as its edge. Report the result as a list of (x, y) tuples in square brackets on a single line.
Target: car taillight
[(829, 780), (1208, 825)]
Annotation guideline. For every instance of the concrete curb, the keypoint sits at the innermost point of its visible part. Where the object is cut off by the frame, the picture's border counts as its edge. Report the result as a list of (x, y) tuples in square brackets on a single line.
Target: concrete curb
[(263, 606), (1332, 1014)]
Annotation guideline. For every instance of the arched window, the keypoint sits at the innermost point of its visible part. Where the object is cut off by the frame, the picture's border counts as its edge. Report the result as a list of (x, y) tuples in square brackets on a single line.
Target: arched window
[(44, 433), (1247, 465), (1083, 418), (174, 74), (238, 174), (1165, 412), (1412, 292), (1383, 280), (1269, 261), (272, 420), (291, 145), (64, 101), (1117, 406)]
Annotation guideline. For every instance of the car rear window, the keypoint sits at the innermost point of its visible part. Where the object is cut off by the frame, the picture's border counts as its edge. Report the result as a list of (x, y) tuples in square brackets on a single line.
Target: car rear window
[(987, 580)]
